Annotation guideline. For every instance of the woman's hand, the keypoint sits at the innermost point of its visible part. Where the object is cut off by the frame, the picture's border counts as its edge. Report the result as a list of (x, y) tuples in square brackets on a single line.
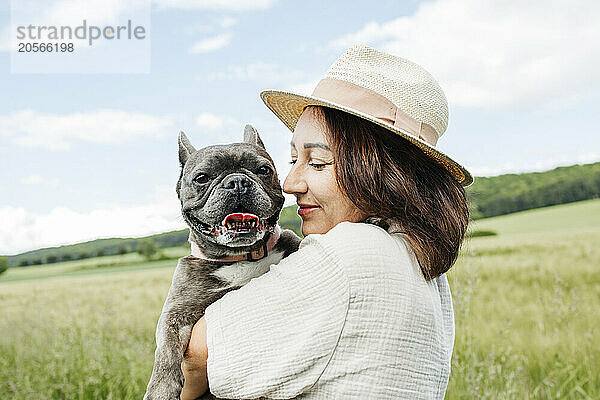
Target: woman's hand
[(193, 365)]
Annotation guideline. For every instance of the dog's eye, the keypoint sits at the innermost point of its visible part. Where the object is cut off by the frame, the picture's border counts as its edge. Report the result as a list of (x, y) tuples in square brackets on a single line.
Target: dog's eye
[(201, 178), (264, 170)]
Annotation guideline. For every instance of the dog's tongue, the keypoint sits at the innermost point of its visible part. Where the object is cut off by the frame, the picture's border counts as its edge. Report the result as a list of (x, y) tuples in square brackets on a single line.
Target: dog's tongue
[(239, 217)]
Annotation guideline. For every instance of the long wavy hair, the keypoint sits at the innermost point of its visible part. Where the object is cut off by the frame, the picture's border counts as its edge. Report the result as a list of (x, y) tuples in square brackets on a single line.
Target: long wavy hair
[(399, 187)]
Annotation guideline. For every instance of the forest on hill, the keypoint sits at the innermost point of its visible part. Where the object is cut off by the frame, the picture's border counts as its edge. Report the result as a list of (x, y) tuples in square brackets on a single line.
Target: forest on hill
[(508, 193), (487, 196)]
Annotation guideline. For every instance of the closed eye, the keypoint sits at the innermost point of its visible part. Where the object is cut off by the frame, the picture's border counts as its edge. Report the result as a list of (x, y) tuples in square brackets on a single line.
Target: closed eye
[(317, 166)]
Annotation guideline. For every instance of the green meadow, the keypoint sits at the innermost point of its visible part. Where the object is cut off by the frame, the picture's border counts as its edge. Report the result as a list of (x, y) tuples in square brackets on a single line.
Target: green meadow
[(527, 306)]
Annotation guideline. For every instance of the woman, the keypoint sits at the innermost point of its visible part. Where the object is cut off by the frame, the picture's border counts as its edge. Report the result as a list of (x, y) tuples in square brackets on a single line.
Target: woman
[(363, 309)]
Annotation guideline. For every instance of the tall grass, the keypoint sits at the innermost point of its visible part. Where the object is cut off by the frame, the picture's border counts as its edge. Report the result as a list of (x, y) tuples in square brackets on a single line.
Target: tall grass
[(527, 308), (88, 337)]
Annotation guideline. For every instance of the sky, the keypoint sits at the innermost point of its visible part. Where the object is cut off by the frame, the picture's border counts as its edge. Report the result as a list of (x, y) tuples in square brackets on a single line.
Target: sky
[(94, 155)]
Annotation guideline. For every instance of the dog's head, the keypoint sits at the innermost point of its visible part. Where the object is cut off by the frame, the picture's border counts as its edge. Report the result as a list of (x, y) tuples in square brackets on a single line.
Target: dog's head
[(230, 194)]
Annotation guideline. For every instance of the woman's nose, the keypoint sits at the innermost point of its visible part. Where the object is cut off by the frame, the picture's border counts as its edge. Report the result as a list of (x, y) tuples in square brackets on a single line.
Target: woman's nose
[(294, 181)]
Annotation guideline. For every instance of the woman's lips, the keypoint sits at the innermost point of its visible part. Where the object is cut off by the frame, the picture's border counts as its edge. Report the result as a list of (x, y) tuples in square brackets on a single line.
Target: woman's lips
[(305, 210)]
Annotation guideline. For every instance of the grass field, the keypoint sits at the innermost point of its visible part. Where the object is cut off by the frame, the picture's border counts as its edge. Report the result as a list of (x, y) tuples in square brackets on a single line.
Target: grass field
[(527, 306)]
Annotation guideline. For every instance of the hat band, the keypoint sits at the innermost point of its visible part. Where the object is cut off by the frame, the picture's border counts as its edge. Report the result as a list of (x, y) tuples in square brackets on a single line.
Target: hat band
[(369, 102)]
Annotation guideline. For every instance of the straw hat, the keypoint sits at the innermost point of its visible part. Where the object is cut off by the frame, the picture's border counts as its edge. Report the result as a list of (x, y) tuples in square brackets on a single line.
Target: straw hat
[(389, 91)]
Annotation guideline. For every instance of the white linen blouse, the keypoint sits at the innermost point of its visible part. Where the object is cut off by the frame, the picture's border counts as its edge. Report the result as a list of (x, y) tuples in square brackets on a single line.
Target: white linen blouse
[(347, 316)]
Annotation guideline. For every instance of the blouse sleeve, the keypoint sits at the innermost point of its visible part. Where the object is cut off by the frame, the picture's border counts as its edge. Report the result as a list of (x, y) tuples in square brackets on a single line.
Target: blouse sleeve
[(274, 336)]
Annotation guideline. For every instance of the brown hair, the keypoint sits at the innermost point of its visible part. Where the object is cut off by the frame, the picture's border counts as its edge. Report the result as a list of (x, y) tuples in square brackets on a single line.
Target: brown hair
[(393, 181)]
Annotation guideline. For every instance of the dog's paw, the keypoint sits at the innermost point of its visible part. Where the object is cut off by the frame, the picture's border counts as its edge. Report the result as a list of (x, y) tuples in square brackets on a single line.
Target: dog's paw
[(163, 392)]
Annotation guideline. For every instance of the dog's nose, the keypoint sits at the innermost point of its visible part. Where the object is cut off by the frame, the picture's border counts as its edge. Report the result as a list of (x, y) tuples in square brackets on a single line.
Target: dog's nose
[(237, 183)]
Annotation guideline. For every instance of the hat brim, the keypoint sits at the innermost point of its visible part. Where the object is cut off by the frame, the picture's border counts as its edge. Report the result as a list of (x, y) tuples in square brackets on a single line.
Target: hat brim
[(289, 106)]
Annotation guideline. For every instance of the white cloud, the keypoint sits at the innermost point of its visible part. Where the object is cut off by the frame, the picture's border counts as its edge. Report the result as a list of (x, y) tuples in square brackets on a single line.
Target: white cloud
[(37, 180), (259, 70), (222, 129), (211, 121), (60, 131), (229, 5), (227, 22), (205, 27), (497, 54), (22, 230), (211, 44)]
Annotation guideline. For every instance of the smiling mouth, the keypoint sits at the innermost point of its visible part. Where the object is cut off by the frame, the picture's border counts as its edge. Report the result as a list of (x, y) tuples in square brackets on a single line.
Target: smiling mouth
[(234, 224)]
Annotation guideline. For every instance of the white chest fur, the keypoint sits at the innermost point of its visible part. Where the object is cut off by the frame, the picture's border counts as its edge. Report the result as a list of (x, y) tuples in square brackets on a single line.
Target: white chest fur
[(241, 272)]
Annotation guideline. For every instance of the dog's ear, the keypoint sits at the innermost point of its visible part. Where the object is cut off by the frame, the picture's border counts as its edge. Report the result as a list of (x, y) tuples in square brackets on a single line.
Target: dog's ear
[(185, 151), (185, 148), (251, 136)]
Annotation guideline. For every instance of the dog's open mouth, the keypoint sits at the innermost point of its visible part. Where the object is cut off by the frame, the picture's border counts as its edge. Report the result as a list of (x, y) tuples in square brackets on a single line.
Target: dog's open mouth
[(233, 224), (241, 222)]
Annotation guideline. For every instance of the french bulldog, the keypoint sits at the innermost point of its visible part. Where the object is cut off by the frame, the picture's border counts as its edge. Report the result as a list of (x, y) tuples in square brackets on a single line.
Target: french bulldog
[(231, 199)]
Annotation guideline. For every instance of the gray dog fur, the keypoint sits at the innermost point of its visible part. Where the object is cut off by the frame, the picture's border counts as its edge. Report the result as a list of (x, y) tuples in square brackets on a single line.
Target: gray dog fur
[(239, 182)]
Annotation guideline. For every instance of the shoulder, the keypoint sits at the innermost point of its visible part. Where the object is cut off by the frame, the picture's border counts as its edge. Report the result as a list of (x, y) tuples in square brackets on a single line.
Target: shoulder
[(346, 234), (351, 236), (363, 244), (347, 228)]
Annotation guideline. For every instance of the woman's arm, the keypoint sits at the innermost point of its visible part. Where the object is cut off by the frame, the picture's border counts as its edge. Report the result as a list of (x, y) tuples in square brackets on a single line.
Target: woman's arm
[(194, 363), (274, 336)]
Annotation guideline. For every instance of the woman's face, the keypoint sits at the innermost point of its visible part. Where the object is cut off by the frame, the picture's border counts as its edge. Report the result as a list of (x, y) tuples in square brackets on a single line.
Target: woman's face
[(312, 179)]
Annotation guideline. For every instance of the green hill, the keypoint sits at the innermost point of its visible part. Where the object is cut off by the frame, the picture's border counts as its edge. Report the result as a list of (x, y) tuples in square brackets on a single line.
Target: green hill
[(488, 197), (95, 248), (504, 194), (578, 216)]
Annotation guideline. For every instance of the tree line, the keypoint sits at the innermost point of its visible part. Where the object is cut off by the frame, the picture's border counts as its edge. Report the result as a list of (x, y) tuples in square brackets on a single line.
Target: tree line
[(505, 194), (488, 197)]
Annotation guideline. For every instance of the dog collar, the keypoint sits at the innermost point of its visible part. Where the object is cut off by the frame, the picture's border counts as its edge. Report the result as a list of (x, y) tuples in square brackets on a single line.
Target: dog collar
[(251, 256)]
